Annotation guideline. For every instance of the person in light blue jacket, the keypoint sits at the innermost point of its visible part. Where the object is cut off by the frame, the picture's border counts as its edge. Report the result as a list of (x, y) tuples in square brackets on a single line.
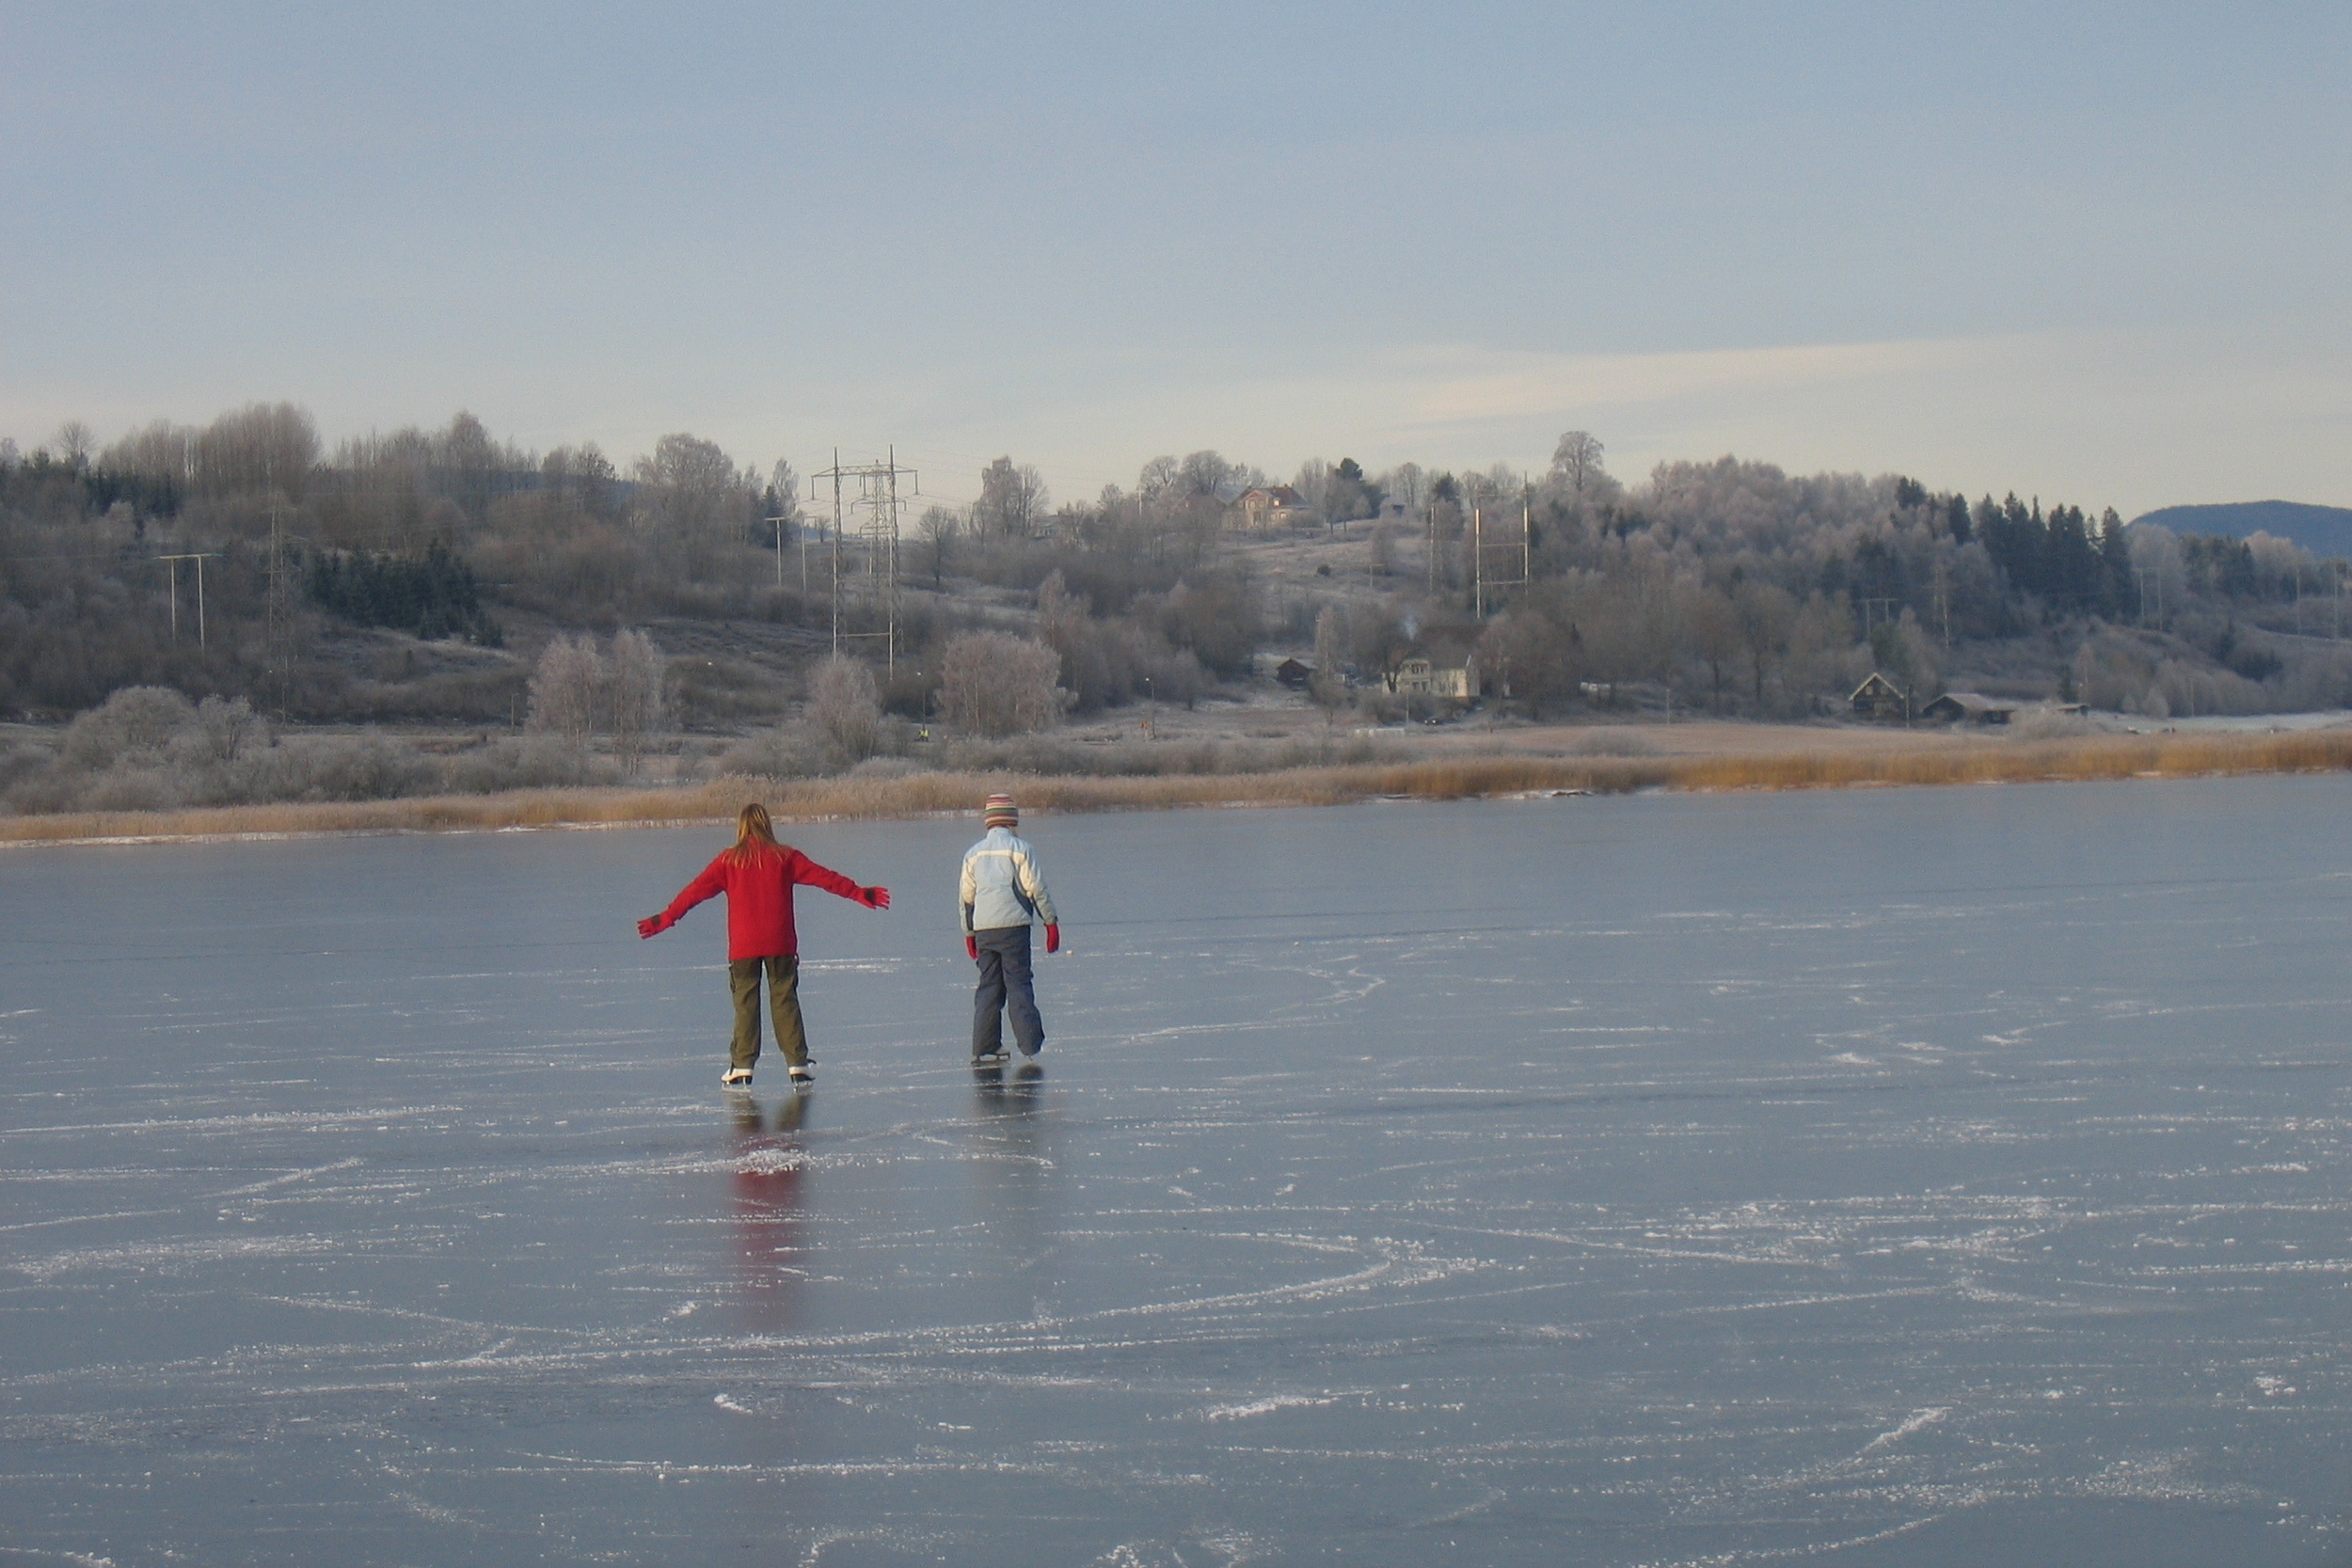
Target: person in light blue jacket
[(1002, 894)]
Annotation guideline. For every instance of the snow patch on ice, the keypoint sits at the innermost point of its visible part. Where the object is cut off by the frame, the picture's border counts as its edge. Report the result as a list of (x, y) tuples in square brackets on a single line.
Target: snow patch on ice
[(1918, 1421), (1266, 1407)]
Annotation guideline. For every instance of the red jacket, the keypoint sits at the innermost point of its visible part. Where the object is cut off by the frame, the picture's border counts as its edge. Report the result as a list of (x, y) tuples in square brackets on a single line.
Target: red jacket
[(759, 900)]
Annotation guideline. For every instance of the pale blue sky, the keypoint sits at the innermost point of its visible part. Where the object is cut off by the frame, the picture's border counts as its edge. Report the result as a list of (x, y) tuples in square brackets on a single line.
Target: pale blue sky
[(2097, 252)]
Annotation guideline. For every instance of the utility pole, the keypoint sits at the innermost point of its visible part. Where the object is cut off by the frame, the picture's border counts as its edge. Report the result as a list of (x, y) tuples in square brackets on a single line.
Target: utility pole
[(878, 495), (780, 520), (278, 629), (1520, 571), (1429, 543), (172, 563), (836, 551)]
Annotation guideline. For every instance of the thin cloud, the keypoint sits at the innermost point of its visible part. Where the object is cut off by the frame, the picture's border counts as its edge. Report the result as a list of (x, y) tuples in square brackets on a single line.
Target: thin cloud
[(1460, 387)]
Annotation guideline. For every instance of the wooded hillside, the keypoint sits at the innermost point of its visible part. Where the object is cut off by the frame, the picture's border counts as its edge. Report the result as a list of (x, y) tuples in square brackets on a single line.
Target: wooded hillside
[(419, 574)]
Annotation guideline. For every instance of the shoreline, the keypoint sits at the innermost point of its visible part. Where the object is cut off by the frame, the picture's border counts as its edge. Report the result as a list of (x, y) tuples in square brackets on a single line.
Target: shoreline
[(1481, 775)]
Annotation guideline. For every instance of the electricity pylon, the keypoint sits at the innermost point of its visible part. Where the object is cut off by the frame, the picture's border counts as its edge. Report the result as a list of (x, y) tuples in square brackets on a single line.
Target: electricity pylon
[(877, 503)]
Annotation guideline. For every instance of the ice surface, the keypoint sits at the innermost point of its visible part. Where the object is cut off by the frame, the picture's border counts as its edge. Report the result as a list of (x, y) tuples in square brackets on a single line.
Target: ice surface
[(1941, 1177)]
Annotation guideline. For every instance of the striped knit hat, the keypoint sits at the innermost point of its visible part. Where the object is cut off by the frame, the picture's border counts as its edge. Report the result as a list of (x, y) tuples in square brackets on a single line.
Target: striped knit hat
[(1000, 812)]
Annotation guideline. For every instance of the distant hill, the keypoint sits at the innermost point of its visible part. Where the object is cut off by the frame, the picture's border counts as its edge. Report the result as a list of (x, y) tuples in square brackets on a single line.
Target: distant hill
[(2324, 531)]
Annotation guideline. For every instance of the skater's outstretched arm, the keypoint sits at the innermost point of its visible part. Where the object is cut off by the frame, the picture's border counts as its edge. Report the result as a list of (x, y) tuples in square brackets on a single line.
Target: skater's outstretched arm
[(711, 883), (809, 874)]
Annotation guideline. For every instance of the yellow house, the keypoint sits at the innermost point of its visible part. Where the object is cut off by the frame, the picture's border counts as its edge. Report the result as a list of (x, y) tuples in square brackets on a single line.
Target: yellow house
[(1268, 507), (1419, 675)]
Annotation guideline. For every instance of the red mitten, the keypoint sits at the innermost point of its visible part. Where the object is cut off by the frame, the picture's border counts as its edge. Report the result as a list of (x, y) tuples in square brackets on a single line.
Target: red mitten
[(1052, 939), (874, 897), (971, 945), (651, 924)]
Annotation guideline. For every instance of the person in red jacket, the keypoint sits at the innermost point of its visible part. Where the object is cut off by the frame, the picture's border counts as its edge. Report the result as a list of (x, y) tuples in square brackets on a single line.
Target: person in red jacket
[(757, 876)]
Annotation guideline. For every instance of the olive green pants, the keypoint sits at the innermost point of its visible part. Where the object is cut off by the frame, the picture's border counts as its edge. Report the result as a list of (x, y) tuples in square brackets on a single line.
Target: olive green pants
[(783, 1002)]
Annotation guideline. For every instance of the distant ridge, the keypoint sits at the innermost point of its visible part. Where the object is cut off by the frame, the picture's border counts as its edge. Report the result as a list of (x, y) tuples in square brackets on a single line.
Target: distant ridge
[(2324, 531)]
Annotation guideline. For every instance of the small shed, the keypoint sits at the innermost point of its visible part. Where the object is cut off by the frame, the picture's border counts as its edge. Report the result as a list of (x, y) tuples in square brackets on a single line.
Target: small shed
[(1295, 673), (1879, 698), (1968, 708)]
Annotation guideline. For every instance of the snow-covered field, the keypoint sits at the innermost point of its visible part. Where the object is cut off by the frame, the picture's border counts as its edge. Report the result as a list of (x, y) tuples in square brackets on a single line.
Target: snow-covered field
[(1887, 1177)]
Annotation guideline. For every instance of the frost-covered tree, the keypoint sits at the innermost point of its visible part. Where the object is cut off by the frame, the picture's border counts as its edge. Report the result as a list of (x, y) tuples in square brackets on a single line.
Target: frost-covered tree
[(844, 710), (635, 698), (994, 685), (563, 690), (1012, 500)]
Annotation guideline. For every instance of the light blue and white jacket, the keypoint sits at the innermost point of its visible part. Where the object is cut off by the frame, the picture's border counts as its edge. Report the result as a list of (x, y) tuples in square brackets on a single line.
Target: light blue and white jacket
[(1002, 885)]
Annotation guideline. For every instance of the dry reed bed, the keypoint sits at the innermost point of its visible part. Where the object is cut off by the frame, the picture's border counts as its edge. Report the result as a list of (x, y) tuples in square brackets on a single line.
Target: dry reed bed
[(1447, 778)]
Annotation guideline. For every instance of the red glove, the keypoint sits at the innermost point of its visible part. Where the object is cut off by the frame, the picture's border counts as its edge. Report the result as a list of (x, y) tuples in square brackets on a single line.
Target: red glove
[(972, 946), (651, 924), (1052, 939), (874, 897)]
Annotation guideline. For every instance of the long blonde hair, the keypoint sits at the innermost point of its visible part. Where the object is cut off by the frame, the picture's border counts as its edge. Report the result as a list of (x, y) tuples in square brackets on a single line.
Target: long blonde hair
[(754, 836)]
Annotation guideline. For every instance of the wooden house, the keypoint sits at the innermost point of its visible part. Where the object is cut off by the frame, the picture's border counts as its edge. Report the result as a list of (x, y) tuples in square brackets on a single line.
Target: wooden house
[(1956, 707), (1295, 673), (1879, 698)]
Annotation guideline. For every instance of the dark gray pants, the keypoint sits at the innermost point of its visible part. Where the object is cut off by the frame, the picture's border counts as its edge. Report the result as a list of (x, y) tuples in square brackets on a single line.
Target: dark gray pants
[(1003, 988)]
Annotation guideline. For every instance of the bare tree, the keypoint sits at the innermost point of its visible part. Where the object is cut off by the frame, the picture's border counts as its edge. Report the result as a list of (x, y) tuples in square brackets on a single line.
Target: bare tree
[(582, 475), (1329, 684), (1903, 650), (257, 450), (938, 527), (161, 451), (470, 462), (1205, 473), (1575, 459), (135, 724), (844, 710), (563, 690), (994, 685), (784, 494), (690, 485), (634, 695), (1766, 615), (1711, 626), (74, 441), (1313, 484), (1409, 484), (1011, 500), (1577, 476)]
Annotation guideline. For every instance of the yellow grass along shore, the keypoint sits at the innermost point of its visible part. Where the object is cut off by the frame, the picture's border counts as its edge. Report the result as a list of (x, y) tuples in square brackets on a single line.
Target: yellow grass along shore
[(1451, 778)]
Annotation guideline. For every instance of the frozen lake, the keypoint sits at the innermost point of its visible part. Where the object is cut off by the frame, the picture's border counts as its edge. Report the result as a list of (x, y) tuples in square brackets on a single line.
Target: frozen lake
[(1945, 1176)]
